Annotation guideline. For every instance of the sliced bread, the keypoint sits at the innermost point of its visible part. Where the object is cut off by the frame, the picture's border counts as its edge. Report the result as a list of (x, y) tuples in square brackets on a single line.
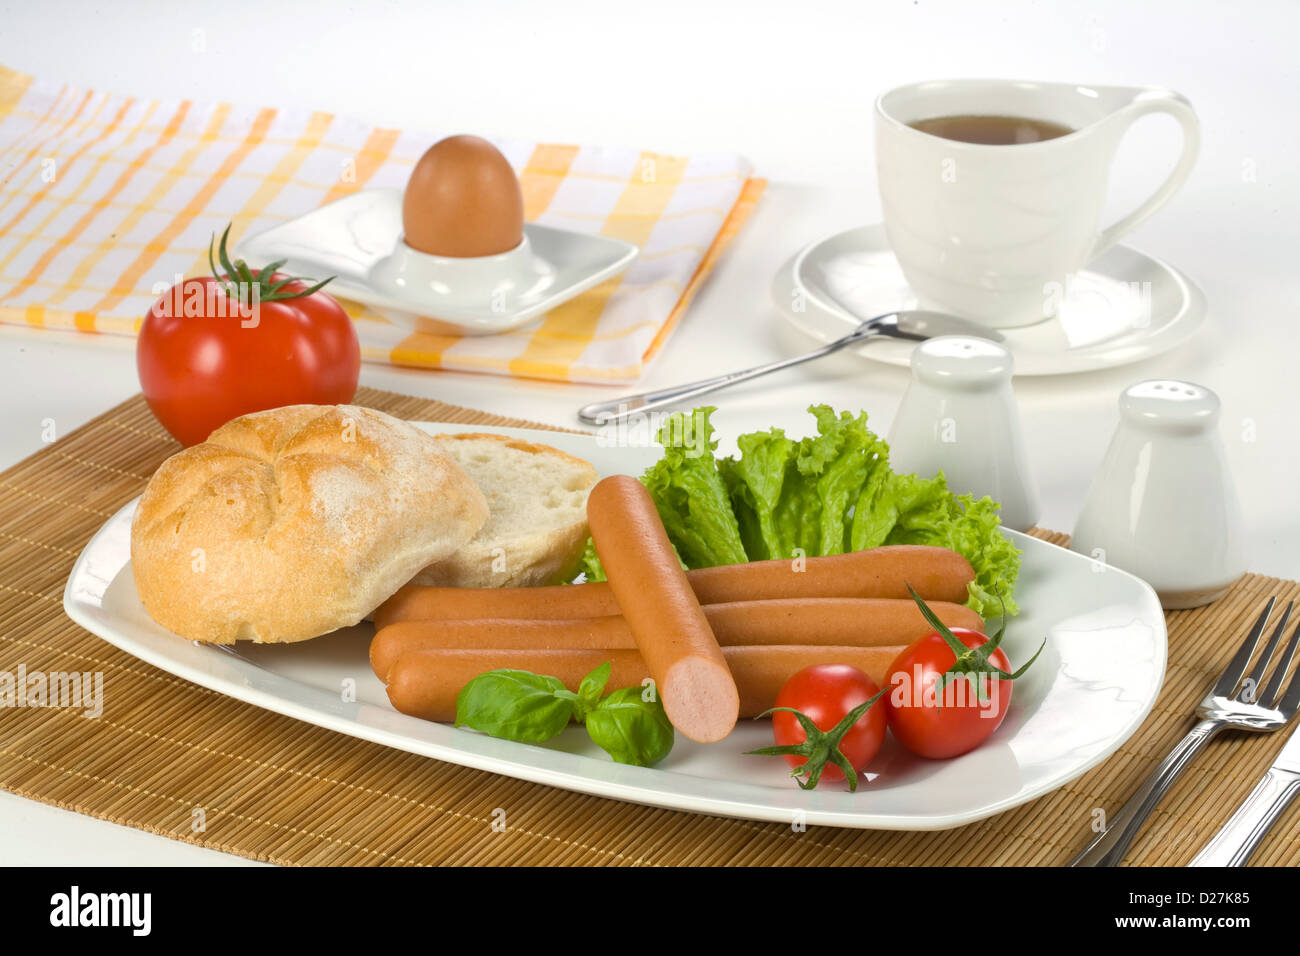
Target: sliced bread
[(537, 514)]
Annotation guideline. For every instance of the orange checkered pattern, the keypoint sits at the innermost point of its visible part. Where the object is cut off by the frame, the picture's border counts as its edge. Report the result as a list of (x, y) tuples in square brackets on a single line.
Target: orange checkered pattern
[(105, 200)]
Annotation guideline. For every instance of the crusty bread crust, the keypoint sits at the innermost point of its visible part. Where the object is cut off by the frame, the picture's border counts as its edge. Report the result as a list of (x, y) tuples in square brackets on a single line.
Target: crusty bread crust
[(290, 523)]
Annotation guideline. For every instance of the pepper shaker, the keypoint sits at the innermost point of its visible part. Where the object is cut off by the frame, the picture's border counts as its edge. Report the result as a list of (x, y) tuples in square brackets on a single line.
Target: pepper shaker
[(1163, 505), (959, 415)]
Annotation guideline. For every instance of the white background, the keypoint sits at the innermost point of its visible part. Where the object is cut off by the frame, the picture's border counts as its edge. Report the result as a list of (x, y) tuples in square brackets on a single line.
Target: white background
[(790, 85)]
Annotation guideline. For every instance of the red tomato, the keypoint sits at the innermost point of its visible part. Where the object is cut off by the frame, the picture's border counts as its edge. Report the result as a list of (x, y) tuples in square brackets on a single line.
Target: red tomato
[(826, 693), (960, 721), (203, 361)]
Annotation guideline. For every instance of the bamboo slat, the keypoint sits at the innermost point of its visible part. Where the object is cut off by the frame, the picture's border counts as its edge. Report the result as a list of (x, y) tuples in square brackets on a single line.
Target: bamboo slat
[(167, 755)]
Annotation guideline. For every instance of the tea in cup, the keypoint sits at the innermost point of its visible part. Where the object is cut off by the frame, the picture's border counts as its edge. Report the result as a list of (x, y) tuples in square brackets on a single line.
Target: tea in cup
[(993, 190)]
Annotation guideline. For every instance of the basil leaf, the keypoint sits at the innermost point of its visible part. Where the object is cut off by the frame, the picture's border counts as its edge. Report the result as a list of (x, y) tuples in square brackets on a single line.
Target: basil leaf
[(630, 729), (590, 689), (515, 704)]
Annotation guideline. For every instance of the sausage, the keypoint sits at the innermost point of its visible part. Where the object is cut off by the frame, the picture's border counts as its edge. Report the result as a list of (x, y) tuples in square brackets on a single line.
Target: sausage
[(761, 671), (593, 633), (850, 622), (425, 683), (844, 622), (662, 612), (416, 602), (937, 574)]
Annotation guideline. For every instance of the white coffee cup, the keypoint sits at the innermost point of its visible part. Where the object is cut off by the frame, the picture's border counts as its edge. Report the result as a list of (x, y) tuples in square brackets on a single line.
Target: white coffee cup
[(994, 232)]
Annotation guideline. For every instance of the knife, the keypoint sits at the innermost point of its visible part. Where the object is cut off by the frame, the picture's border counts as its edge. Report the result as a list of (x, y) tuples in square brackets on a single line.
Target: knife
[(1233, 845)]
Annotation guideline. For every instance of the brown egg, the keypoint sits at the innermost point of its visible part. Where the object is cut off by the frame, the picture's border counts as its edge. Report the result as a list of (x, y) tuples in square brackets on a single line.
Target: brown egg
[(462, 200)]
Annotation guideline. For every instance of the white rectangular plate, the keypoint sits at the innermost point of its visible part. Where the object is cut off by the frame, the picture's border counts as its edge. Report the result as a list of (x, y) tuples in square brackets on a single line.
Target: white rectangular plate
[(1088, 692)]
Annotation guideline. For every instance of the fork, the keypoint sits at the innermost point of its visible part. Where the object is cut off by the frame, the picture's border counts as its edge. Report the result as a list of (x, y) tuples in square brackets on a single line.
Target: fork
[(1233, 703)]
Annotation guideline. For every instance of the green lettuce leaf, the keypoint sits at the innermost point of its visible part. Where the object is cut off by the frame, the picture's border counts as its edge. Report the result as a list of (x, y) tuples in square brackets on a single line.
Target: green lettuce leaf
[(590, 566), (825, 494), (924, 511), (791, 495), (690, 497), (754, 483), (842, 457), (690, 494)]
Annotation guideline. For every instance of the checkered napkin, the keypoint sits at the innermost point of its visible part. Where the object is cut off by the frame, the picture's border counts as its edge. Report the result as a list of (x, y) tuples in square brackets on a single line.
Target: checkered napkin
[(105, 200)]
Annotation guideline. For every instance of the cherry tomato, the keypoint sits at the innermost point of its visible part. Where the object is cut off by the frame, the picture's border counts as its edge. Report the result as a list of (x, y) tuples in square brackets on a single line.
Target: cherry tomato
[(203, 360), (826, 693), (960, 721)]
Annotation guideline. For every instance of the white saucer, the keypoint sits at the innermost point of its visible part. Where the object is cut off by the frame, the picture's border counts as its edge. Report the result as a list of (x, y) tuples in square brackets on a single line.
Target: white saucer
[(358, 241), (1124, 307)]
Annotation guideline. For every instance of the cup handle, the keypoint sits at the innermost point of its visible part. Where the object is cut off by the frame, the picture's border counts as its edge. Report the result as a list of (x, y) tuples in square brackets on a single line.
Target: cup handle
[(1177, 106)]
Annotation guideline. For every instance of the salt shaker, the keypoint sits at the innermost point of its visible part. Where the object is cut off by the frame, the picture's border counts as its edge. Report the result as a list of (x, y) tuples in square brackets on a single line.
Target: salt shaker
[(959, 415), (1163, 505)]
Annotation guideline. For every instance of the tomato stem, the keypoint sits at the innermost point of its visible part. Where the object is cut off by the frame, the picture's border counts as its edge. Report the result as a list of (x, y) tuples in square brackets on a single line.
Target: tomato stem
[(819, 746), (973, 661), (239, 280)]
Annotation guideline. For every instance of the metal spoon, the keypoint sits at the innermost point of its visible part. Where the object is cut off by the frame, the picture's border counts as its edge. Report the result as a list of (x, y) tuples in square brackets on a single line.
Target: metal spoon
[(916, 325)]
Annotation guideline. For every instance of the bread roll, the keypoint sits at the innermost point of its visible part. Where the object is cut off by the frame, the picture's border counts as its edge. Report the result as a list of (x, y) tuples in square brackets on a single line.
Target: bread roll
[(290, 523), (537, 496)]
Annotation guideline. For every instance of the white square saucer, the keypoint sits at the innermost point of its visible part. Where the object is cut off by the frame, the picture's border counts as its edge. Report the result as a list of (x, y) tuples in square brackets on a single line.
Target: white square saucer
[(358, 240)]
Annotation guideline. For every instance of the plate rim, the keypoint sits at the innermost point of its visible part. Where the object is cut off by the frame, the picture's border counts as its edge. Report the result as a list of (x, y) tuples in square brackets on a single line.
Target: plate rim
[(613, 781)]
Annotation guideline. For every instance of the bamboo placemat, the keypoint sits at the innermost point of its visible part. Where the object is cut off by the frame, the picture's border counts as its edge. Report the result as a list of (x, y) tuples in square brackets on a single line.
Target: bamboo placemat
[(176, 759)]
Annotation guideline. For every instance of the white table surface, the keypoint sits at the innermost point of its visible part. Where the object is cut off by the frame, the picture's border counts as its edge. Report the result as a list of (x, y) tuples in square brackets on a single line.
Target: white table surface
[(789, 85)]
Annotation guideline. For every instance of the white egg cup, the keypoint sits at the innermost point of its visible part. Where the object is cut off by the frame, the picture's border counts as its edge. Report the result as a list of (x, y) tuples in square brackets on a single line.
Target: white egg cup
[(487, 283), (1163, 505), (358, 240), (959, 416)]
